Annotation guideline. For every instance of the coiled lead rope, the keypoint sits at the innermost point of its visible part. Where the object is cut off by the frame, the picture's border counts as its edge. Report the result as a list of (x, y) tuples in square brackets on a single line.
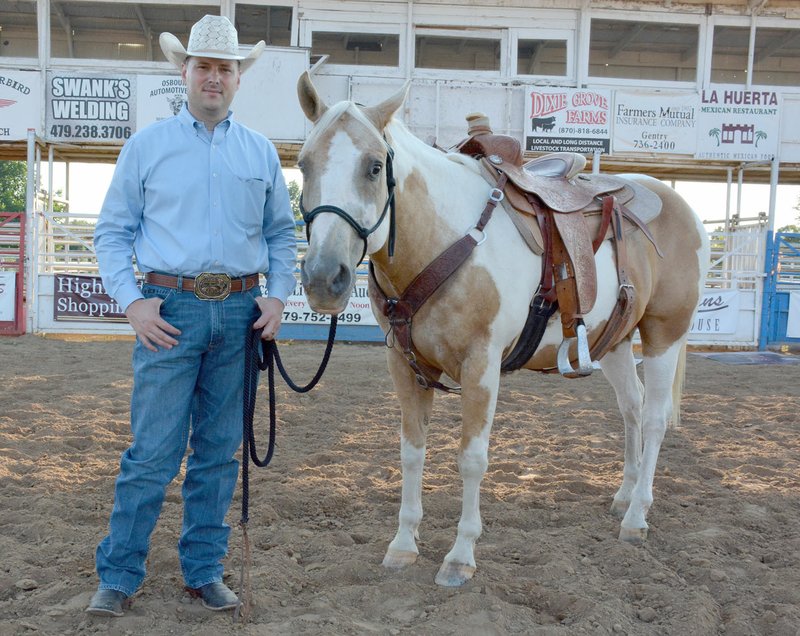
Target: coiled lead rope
[(269, 358)]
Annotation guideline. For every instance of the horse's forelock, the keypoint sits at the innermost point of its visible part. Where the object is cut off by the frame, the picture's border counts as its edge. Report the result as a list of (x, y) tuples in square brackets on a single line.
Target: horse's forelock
[(334, 114)]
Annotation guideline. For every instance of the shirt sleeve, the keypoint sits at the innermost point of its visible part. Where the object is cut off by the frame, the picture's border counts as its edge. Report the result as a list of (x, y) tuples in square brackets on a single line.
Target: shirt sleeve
[(279, 233), (120, 218)]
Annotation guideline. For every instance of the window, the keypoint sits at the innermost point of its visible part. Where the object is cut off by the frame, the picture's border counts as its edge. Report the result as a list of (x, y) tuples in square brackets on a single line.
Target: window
[(776, 57), (113, 30), (458, 53), (18, 30), (358, 49), (729, 54), (541, 57), (643, 50), (269, 23)]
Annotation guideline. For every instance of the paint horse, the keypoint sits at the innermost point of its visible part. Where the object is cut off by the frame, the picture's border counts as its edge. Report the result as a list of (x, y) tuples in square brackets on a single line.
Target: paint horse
[(370, 186)]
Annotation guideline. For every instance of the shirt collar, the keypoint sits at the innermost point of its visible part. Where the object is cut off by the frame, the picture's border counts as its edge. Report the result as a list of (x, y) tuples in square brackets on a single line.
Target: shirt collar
[(188, 119)]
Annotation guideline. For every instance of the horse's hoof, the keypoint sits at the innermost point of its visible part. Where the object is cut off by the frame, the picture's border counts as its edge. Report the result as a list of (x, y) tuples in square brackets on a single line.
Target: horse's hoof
[(454, 574), (619, 508), (398, 559), (634, 536)]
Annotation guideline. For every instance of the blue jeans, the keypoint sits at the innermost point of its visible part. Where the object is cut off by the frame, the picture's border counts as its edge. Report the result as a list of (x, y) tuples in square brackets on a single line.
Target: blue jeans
[(190, 394)]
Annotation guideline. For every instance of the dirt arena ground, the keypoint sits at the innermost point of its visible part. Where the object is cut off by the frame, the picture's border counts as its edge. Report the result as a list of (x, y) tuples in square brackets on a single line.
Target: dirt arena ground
[(723, 555)]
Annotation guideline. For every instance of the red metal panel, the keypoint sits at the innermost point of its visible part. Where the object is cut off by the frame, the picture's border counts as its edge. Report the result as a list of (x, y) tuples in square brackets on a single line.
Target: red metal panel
[(12, 258)]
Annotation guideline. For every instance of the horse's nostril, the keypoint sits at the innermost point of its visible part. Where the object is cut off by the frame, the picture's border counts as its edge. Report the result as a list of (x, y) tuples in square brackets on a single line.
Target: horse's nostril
[(341, 282)]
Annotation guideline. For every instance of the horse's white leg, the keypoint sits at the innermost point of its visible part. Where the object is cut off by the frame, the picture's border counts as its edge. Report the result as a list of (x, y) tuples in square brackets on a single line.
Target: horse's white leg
[(659, 374), (619, 368), (478, 402), (415, 406)]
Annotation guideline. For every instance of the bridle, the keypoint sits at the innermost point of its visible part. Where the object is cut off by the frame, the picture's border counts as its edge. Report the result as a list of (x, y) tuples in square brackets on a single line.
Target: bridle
[(362, 232)]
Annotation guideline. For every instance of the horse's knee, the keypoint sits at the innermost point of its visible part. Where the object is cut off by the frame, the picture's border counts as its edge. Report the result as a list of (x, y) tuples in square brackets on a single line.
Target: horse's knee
[(474, 459)]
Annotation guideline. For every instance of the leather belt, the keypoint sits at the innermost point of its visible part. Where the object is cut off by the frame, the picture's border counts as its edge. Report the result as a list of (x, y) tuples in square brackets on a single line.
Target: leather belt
[(206, 286)]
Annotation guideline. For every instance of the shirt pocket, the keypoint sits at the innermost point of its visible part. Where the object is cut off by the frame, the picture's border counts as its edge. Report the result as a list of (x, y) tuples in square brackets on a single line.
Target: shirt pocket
[(249, 197)]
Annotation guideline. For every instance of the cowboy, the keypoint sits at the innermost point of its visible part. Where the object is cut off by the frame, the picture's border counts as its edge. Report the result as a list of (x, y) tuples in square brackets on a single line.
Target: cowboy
[(201, 202)]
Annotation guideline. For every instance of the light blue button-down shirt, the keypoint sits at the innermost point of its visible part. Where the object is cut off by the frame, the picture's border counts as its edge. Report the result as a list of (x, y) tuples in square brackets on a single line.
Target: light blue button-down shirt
[(187, 200)]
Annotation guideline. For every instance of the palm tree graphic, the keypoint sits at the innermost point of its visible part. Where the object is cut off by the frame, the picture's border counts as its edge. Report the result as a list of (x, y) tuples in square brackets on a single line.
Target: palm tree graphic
[(715, 132), (760, 134)]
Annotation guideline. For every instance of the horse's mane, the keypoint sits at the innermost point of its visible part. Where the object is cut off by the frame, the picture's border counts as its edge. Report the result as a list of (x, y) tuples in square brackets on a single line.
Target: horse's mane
[(467, 161)]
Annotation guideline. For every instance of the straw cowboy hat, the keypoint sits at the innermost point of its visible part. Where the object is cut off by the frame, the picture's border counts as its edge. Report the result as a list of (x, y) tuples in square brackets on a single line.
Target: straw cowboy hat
[(212, 36)]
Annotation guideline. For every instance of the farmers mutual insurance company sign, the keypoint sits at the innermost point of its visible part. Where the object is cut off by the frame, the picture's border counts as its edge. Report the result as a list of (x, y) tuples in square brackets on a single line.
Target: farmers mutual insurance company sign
[(655, 122)]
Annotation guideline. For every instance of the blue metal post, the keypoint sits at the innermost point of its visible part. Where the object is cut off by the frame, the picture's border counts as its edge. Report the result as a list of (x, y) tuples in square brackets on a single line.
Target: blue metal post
[(768, 292)]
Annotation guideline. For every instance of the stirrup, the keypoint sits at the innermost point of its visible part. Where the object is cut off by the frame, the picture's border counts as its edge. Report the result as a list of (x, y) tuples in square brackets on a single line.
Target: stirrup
[(584, 358)]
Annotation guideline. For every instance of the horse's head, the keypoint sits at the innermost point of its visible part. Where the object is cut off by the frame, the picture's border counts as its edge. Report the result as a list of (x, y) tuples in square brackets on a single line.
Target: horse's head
[(347, 192)]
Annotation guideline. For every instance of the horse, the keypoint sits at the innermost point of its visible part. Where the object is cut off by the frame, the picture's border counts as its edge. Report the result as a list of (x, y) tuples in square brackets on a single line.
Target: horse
[(358, 162)]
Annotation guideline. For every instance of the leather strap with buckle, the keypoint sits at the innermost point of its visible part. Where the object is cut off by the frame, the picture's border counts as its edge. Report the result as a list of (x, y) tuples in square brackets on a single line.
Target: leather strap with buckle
[(206, 286)]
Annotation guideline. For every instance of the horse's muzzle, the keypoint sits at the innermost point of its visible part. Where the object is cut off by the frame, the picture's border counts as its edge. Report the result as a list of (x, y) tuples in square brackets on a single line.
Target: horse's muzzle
[(327, 288)]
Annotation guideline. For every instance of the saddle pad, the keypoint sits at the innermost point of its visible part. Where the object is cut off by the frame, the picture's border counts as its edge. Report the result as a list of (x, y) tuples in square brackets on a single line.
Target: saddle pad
[(643, 202)]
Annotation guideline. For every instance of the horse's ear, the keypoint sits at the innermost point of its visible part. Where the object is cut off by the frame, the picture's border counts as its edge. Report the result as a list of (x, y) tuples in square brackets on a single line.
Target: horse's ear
[(310, 101), (382, 113)]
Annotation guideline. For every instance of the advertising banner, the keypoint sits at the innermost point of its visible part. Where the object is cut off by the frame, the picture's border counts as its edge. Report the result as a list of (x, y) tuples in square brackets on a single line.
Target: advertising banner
[(718, 313), (793, 320), (158, 97), (737, 124), (84, 298), (8, 288), (19, 104), (567, 119), (90, 107), (358, 312), (655, 121)]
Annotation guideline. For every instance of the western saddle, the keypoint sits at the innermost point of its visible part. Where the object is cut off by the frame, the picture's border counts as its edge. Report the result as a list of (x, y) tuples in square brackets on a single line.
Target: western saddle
[(564, 216)]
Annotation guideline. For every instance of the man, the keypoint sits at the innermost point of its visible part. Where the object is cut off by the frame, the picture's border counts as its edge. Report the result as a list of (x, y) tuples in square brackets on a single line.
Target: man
[(201, 202)]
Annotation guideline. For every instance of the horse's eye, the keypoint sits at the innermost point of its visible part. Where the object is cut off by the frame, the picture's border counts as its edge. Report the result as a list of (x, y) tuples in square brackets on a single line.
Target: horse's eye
[(376, 169), (300, 165)]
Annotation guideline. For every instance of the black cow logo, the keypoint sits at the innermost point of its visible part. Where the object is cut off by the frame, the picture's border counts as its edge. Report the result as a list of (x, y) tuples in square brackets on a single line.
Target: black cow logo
[(545, 123)]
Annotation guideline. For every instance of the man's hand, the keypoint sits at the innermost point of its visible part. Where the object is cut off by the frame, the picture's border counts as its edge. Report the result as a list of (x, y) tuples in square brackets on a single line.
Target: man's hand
[(152, 330), (270, 320)]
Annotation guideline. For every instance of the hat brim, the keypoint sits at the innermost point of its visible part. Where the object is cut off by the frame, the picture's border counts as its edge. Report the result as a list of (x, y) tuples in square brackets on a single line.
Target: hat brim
[(176, 53)]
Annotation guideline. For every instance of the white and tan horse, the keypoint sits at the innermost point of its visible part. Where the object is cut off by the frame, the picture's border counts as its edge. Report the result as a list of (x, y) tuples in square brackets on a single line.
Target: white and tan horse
[(475, 317)]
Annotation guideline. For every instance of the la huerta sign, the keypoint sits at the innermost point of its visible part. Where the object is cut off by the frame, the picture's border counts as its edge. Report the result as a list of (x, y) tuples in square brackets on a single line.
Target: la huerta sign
[(737, 124)]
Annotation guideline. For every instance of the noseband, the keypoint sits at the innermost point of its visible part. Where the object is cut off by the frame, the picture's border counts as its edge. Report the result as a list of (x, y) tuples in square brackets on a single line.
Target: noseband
[(363, 232)]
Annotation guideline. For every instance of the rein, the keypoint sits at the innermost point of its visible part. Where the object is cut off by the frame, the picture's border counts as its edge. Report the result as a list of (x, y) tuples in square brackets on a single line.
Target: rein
[(253, 362)]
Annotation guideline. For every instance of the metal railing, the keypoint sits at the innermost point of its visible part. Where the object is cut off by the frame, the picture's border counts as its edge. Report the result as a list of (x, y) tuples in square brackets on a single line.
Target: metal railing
[(64, 243), (737, 258)]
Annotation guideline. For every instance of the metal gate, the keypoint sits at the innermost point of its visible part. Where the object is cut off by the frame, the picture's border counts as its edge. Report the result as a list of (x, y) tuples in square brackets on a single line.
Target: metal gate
[(782, 279), (12, 273)]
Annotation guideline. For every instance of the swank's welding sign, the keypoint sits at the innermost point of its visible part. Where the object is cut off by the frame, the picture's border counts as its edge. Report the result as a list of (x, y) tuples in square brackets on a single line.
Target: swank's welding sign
[(91, 107)]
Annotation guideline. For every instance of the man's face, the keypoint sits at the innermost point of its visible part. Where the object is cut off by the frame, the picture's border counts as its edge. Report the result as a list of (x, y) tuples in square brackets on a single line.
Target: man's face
[(210, 86)]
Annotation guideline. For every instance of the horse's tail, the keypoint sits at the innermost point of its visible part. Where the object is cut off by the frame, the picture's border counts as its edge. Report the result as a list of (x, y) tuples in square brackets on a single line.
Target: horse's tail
[(677, 388)]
